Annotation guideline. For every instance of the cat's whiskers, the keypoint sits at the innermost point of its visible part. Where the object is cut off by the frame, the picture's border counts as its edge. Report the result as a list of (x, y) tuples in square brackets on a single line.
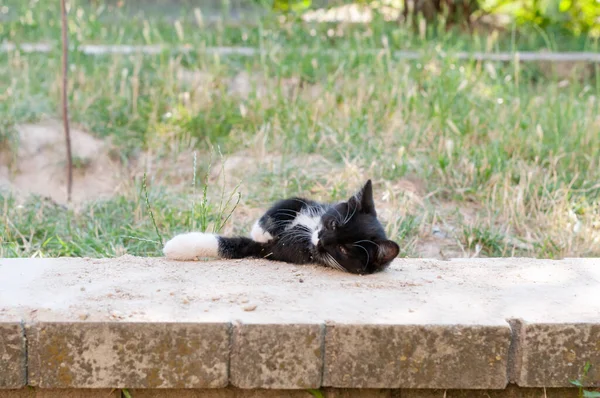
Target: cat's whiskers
[(339, 218), (333, 263), (288, 211), (291, 238), (301, 201), (281, 223), (367, 240), (367, 252), (296, 234), (351, 215)]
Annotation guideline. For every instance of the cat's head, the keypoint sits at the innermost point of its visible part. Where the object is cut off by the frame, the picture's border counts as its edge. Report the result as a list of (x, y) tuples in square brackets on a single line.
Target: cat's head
[(352, 239)]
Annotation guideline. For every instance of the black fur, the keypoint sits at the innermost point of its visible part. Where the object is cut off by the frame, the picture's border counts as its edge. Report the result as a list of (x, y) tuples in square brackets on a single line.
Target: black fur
[(350, 236), (240, 247)]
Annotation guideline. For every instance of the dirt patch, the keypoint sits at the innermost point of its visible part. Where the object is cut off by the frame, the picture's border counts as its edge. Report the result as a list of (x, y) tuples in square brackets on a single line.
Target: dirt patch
[(175, 169), (438, 247), (40, 166)]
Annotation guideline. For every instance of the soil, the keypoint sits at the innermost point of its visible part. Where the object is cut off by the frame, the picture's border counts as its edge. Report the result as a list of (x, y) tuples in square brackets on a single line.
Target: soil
[(40, 166)]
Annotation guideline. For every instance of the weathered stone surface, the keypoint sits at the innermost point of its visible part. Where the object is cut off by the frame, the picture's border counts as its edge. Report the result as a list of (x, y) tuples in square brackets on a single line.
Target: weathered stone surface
[(273, 394), (412, 356), (360, 393), (258, 393), (59, 393), (128, 355), (511, 391), (184, 393), (277, 356), (467, 291), (221, 393), (479, 293), (12, 355), (555, 354)]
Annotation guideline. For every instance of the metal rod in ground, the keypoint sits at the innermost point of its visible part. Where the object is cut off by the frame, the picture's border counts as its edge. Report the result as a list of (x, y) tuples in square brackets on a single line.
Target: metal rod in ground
[(65, 99)]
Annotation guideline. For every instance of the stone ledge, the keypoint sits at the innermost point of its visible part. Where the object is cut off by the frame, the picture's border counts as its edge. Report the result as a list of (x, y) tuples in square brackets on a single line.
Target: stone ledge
[(413, 356), (12, 355), (277, 356), (511, 391), (560, 349), (149, 323), (128, 355)]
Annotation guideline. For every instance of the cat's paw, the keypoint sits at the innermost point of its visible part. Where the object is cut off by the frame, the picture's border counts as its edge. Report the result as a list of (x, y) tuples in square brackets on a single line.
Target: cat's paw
[(258, 234), (192, 245)]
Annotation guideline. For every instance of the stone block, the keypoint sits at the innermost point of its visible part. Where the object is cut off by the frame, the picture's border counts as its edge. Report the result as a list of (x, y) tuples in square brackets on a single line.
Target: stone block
[(184, 393), (128, 355), (416, 356), (220, 393), (511, 391), (59, 393), (277, 356), (273, 394), (20, 393), (554, 354), (357, 393), (12, 355)]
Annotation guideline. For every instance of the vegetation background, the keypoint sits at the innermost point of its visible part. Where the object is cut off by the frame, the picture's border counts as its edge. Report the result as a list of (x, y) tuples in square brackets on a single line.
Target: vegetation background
[(469, 157)]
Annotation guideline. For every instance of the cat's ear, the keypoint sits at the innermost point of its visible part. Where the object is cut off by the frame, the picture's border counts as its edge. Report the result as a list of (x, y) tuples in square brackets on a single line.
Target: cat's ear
[(367, 203), (387, 250), (364, 199)]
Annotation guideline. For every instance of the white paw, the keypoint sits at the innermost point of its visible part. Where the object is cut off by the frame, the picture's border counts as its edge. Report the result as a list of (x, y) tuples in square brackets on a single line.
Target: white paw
[(192, 245), (260, 235)]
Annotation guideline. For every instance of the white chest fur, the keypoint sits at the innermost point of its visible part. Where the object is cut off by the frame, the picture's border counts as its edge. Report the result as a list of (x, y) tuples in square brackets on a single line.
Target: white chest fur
[(311, 222)]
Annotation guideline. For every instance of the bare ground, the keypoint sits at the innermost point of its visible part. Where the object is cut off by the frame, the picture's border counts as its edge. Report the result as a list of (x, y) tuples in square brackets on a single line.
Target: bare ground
[(40, 166)]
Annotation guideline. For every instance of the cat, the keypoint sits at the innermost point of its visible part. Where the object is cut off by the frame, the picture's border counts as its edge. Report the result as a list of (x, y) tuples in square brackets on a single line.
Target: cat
[(346, 236)]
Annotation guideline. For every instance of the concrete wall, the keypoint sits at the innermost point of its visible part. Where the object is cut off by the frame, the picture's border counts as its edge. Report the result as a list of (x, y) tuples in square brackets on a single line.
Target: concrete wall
[(423, 328)]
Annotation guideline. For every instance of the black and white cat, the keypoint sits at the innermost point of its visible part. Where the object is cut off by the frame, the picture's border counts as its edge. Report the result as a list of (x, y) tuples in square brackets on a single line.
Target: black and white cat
[(346, 236)]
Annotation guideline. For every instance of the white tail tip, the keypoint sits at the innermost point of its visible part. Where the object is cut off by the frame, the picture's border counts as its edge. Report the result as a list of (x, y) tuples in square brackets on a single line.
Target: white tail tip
[(192, 245)]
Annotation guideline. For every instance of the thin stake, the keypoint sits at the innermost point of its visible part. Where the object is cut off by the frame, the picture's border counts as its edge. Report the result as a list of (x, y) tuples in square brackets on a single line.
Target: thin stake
[(65, 100), (194, 195), (145, 188)]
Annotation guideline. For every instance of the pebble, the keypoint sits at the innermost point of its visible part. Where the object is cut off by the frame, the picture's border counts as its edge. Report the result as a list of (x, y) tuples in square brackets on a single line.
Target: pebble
[(249, 308), (117, 315), (438, 233)]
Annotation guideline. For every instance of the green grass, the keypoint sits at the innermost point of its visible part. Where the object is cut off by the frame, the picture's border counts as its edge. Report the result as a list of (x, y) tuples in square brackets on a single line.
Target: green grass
[(130, 23), (502, 157)]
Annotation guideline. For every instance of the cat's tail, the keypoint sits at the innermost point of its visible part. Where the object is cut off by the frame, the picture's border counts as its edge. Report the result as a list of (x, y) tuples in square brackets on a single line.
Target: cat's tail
[(193, 245)]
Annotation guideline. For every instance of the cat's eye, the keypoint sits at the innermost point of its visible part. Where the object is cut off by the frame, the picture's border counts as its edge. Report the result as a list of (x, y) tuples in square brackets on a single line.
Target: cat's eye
[(343, 249), (333, 225)]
